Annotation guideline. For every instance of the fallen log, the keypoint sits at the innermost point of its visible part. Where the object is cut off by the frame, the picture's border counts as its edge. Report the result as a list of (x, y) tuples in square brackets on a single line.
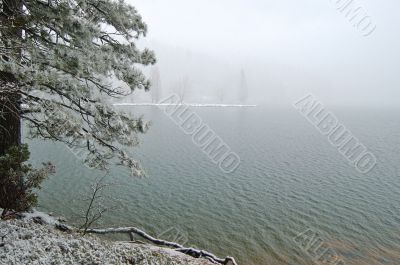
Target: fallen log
[(196, 253)]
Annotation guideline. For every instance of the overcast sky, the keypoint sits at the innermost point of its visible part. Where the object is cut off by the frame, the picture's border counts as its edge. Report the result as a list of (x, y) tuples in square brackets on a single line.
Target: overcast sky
[(288, 47)]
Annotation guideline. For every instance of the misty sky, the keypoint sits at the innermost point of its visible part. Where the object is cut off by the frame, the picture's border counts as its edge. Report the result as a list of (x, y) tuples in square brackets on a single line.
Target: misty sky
[(286, 47)]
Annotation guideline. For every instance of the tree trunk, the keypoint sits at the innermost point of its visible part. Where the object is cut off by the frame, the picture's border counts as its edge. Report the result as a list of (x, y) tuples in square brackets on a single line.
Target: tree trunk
[(10, 119)]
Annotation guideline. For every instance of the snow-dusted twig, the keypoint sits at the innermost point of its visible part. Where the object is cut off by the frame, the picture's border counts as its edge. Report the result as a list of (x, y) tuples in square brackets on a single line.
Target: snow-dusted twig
[(2, 239), (95, 209), (3, 236), (189, 251)]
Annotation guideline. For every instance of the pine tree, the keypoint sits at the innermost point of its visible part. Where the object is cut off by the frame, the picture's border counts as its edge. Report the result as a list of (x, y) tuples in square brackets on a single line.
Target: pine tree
[(155, 84), (243, 93), (181, 87), (221, 94), (58, 60)]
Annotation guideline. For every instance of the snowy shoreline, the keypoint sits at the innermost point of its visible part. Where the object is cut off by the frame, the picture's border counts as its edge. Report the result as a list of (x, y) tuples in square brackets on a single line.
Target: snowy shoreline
[(35, 239)]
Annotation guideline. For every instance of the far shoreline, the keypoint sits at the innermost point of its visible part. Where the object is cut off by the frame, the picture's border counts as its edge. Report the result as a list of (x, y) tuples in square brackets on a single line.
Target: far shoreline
[(186, 104)]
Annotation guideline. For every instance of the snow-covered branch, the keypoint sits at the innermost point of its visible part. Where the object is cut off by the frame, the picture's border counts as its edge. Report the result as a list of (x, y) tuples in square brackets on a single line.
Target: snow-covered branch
[(189, 251)]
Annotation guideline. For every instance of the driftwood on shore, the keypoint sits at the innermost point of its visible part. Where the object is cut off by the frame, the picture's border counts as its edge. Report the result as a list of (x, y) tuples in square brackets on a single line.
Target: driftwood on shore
[(177, 247)]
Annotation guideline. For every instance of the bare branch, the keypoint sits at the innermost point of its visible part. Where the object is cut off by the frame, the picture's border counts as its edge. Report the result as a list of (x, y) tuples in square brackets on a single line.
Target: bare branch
[(189, 251)]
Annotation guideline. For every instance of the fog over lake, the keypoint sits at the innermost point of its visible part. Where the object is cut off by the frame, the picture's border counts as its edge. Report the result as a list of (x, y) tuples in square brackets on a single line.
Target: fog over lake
[(273, 83), (287, 48)]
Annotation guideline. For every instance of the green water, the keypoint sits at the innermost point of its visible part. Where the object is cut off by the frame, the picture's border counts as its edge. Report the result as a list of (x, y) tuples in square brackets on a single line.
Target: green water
[(290, 179)]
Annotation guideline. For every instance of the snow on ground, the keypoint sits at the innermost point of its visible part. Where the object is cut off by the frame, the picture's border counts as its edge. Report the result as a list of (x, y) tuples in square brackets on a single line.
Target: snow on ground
[(34, 240)]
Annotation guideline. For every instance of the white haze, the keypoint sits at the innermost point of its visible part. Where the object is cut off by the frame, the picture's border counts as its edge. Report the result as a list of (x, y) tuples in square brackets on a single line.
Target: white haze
[(287, 48)]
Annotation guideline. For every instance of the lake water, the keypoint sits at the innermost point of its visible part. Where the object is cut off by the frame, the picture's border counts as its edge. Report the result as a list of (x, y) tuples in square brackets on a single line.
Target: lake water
[(290, 180)]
